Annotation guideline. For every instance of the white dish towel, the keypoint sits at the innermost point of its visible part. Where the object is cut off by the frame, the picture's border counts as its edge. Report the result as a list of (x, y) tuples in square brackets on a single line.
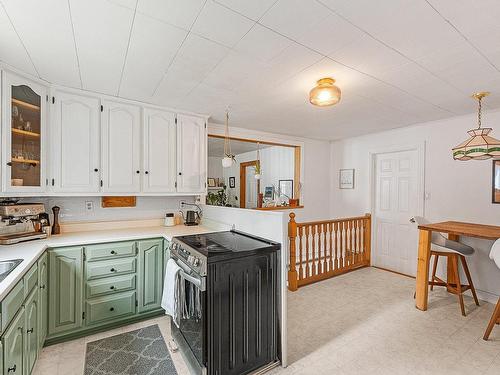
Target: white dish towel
[(170, 297)]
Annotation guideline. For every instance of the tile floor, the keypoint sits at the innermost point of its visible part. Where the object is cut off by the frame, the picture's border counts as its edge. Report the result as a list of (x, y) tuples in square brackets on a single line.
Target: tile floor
[(363, 322)]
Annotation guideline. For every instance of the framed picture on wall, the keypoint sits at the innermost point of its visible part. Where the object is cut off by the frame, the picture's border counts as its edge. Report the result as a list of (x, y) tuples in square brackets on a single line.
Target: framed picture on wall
[(346, 179), (495, 183), (232, 182), (286, 188), (211, 182)]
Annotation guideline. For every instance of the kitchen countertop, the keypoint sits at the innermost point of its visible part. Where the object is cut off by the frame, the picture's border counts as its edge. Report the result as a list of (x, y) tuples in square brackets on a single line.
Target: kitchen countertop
[(30, 251)]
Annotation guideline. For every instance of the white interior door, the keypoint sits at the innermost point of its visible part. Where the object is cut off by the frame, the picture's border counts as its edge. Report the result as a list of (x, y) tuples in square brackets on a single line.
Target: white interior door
[(75, 143), (121, 142), (396, 201), (159, 151), (251, 190)]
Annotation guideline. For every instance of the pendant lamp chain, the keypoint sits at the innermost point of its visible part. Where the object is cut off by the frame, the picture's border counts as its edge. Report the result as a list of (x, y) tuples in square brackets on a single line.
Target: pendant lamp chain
[(227, 142), (479, 111)]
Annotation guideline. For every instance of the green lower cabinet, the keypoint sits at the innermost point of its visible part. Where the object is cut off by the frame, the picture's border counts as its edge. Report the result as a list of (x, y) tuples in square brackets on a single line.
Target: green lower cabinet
[(150, 274), (102, 310), (13, 346), (31, 328), (43, 307), (65, 290)]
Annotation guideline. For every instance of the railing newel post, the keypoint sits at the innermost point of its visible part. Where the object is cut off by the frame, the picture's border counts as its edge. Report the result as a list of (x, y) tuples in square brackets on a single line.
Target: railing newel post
[(292, 272)]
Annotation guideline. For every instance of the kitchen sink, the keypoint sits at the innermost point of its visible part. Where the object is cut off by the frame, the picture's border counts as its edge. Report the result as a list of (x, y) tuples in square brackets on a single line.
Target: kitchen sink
[(7, 266)]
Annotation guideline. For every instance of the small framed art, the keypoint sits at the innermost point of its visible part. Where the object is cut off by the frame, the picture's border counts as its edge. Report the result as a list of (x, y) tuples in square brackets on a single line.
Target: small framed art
[(346, 179)]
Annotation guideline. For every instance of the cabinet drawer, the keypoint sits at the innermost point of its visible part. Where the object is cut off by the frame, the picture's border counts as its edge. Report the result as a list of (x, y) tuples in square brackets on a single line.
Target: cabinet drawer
[(113, 267), (104, 309), (110, 285), (30, 279), (12, 303), (110, 250)]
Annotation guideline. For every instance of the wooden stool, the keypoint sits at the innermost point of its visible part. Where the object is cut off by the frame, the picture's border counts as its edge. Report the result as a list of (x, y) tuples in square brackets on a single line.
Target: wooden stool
[(495, 318), (455, 287)]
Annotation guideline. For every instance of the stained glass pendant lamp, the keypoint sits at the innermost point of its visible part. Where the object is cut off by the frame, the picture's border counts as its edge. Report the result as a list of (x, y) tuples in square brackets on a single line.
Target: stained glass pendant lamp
[(480, 145)]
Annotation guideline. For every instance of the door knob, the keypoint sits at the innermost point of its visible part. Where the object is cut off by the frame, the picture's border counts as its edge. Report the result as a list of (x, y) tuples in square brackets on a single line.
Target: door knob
[(112, 309)]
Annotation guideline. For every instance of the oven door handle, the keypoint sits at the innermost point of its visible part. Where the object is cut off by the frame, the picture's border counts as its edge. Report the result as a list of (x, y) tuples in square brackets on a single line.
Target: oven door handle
[(199, 283)]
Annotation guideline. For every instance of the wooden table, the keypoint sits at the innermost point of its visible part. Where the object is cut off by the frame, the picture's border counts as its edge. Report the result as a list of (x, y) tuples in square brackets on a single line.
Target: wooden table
[(454, 230)]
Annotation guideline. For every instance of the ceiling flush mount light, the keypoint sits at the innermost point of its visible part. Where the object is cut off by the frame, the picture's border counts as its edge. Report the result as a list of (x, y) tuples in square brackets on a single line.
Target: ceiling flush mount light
[(325, 93), (480, 145), (228, 157)]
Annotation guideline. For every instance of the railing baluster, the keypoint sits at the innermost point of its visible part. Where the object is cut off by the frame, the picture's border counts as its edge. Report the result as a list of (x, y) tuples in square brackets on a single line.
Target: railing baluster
[(355, 241), (308, 273), (301, 260), (342, 248), (313, 244), (330, 228)]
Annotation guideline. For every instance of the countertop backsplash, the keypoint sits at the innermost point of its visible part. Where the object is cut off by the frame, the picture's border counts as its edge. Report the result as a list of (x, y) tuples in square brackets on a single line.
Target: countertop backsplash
[(74, 209)]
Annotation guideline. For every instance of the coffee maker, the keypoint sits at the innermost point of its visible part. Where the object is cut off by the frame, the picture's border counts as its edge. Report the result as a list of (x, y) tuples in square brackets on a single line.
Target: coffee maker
[(21, 222)]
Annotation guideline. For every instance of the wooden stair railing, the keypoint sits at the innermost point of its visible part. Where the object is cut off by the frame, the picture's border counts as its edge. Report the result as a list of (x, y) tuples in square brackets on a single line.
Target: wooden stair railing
[(323, 249)]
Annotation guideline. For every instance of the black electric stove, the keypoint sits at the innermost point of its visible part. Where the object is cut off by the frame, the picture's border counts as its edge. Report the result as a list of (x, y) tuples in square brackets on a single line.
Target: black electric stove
[(234, 278)]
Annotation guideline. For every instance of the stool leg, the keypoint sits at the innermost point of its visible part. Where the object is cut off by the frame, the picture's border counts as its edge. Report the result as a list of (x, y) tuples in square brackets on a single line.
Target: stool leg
[(434, 267), (469, 279), (493, 320), (454, 259)]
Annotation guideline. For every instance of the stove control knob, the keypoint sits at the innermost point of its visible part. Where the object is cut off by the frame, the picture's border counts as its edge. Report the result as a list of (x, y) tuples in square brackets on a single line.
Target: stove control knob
[(190, 259), (196, 262)]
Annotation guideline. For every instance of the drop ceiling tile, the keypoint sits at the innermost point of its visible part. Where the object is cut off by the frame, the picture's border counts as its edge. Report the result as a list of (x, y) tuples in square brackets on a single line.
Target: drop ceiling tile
[(253, 9), (293, 60), (200, 55), (38, 22), (262, 43), (179, 13), (13, 52), (330, 34), (367, 14), (147, 62), (130, 4), (294, 17), (101, 40), (177, 83), (233, 72), (369, 56), (221, 25)]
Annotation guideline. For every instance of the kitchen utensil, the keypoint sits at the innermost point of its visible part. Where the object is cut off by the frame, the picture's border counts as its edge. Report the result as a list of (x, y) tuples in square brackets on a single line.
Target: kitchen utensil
[(56, 229)]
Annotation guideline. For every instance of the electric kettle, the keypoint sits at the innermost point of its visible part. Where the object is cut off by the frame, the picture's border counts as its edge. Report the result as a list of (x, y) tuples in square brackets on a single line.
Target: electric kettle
[(191, 218)]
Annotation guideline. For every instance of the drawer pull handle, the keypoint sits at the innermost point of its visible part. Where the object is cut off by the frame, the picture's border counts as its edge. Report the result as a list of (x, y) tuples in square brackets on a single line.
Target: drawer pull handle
[(113, 252), (29, 330), (13, 369), (111, 287), (112, 309), (112, 270)]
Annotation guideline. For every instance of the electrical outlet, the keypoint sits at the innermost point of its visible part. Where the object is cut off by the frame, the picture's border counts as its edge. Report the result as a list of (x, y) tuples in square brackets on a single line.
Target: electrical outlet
[(89, 206), (182, 203)]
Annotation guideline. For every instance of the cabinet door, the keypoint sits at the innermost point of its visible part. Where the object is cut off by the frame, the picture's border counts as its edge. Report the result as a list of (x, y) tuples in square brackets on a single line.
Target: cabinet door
[(121, 143), (150, 274), (65, 289), (42, 299), (13, 346), (75, 143), (31, 328), (159, 159), (191, 154), (23, 136)]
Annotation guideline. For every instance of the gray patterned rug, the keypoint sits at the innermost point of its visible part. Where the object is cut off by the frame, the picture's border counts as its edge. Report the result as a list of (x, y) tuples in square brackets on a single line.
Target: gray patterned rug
[(140, 352)]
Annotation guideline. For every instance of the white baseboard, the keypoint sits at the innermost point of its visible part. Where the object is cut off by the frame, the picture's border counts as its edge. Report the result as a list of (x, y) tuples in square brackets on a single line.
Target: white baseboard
[(487, 296)]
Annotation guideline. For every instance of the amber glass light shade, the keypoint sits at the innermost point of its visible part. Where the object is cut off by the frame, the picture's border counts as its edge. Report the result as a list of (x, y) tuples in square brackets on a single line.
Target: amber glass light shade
[(325, 93)]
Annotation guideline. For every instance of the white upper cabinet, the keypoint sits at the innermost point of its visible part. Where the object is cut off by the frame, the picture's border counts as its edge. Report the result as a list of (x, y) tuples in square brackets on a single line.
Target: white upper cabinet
[(75, 143), (191, 154), (121, 142), (24, 105), (159, 151)]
